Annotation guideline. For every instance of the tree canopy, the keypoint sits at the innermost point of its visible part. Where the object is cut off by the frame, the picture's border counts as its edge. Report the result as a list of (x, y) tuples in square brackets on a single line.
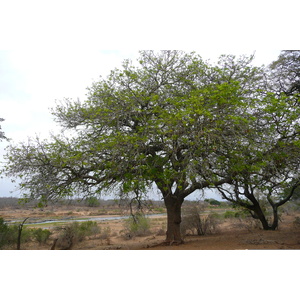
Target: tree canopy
[(269, 174), (170, 119), (285, 73)]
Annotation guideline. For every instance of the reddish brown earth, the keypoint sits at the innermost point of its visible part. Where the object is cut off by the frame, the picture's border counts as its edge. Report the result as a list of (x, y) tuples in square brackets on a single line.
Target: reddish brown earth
[(232, 233)]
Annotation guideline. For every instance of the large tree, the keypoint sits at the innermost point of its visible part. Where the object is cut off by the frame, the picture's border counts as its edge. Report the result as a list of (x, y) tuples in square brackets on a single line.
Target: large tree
[(159, 121)]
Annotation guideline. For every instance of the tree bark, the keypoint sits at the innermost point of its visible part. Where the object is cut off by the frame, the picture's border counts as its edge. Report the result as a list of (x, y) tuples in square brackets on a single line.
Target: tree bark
[(173, 205), (274, 225), (20, 228), (261, 216)]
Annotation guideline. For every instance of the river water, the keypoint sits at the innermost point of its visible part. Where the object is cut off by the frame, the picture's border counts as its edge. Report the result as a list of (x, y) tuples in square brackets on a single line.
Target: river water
[(99, 219)]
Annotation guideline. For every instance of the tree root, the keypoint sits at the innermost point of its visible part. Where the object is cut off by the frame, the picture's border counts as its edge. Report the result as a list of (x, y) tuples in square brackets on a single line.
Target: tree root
[(170, 243)]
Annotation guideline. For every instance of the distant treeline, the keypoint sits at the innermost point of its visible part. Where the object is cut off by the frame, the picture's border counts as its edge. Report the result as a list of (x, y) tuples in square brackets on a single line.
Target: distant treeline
[(91, 202), (8, 201), (95, 202)]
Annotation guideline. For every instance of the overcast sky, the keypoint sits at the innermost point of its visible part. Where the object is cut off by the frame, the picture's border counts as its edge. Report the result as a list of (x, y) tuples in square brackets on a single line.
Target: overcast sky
[(31, 81)]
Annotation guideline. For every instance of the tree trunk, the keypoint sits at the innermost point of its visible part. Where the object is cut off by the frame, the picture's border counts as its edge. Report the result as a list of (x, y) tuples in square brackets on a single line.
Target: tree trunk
[(275, 219), (261, 216), (173, 205), (20, 228)]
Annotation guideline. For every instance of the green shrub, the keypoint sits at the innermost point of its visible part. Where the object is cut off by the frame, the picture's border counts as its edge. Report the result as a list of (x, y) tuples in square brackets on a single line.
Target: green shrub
[(41, 235), (77, 232), (231, 214), (216, 215), (214, 202), (92, 202), (26, 235), (9, 234), (4, 233), (88, 228), (137, 225)]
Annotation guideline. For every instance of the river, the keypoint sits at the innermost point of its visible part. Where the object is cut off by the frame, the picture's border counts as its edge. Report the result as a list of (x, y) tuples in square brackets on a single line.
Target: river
[(98, 219)]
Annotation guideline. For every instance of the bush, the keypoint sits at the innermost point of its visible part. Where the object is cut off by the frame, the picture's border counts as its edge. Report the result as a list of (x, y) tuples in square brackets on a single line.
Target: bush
[(196, 223), (137, 225), (76, 232), (92, 202), (231, 214), (214, 202), (4, 233), (217, 216), (9, 234), (41, 235)]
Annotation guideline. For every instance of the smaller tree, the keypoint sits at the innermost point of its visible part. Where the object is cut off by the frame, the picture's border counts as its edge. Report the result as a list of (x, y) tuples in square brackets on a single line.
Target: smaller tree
[(265, 164), (260, 199)]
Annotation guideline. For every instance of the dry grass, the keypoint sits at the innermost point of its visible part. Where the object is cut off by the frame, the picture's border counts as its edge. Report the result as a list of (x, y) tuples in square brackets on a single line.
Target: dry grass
[(232, 234)]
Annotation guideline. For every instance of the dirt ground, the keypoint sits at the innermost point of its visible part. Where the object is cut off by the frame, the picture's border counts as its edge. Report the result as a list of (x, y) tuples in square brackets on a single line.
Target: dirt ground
[(232, 234)]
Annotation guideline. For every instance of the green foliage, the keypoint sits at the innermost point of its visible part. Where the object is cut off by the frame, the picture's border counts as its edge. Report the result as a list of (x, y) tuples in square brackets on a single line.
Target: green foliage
[(217, 216), (84, 229), (92, 201), (137, 225), (231, 214), (9, 234), (4, 233), (77, 232), (215, 202), (41, 235), (151, 123)]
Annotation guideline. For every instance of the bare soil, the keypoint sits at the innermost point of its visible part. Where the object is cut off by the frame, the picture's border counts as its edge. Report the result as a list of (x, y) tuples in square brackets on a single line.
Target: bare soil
[(231, 234)]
